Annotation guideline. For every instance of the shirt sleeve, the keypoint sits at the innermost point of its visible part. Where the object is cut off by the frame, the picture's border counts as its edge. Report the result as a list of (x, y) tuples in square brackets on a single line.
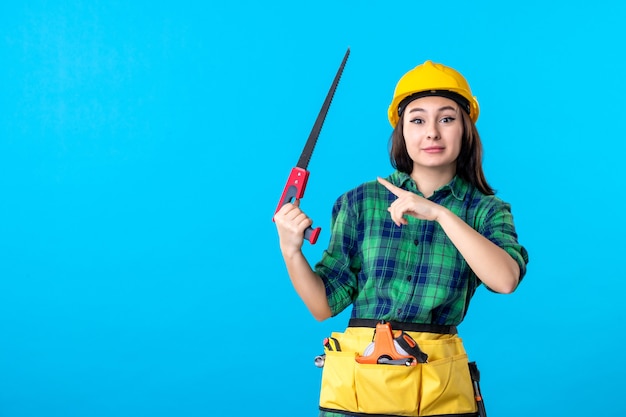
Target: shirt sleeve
[(340, 265), (497, 225)]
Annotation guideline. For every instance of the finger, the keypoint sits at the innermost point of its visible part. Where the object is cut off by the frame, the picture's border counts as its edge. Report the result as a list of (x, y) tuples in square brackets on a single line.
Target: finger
[(286, 208), (291, 213), (289, 206), (292, 223), (395, 190), (303, 221), (397, 216)]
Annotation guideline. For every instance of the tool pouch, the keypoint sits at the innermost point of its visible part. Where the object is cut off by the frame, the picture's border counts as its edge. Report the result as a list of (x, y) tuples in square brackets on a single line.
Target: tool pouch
[(440, 387)]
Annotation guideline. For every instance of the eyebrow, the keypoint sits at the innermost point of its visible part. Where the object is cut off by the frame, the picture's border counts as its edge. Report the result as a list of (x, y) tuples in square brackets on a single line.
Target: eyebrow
[(440, 109)]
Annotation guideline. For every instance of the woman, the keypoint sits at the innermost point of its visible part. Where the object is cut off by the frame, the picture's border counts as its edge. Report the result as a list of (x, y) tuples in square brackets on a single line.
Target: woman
[(410, 251)]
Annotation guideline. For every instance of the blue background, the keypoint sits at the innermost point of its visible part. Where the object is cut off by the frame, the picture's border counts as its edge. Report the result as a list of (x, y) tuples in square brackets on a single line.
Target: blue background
[(144, 147)]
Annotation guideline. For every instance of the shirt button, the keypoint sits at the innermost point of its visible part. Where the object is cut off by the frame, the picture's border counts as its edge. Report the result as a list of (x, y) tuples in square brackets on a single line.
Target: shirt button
[(408, 278), (416, 242), (399, 311)]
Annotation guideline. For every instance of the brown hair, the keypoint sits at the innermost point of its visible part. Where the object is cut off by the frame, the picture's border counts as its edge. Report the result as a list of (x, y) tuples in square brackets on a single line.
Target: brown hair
[(468, 164)]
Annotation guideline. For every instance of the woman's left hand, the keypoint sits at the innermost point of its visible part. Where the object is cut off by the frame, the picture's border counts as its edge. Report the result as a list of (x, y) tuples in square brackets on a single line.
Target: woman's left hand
[(409, 204), (491, 264)]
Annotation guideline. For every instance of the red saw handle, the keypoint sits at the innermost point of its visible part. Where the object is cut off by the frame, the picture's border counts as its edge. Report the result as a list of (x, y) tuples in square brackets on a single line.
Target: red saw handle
[(294, 190)]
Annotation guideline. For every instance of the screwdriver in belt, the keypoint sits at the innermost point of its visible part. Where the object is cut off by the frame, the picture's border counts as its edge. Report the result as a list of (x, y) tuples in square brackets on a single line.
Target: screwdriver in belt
[(331, 344)]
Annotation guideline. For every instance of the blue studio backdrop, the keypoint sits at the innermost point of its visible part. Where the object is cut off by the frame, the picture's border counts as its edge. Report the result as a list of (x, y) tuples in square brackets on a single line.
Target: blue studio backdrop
[(144, 147)]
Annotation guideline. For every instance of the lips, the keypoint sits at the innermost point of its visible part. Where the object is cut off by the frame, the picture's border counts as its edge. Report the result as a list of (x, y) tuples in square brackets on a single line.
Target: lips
[(433, 149)]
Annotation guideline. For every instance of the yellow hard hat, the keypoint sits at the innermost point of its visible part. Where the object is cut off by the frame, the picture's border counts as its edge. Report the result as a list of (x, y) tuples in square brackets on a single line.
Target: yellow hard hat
[(430, 79)]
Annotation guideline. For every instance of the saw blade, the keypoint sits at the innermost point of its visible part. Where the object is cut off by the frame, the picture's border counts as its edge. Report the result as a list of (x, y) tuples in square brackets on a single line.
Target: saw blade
[(305, 156)]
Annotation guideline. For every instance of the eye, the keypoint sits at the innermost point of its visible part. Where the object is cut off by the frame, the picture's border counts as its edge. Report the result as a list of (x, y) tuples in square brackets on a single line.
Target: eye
[(448, 119), (417, 121)]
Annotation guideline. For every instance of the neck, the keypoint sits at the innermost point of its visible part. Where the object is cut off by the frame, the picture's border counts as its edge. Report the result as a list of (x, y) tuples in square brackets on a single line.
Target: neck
[(430, 179)]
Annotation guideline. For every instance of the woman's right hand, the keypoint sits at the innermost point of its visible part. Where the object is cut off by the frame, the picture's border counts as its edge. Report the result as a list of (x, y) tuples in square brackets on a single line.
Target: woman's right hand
[(291, 222)]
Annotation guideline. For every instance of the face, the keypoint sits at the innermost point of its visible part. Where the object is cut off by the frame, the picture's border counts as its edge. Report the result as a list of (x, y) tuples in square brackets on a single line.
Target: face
[(433, 131)]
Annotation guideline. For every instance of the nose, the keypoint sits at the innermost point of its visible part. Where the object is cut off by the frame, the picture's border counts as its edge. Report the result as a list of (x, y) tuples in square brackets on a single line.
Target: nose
[(432, 131)]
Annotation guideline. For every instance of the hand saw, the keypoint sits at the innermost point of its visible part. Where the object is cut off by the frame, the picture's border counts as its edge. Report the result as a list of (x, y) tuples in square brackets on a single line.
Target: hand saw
[(296, 183)]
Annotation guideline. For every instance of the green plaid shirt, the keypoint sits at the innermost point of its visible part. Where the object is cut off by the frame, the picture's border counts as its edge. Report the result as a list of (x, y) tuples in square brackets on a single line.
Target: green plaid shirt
[(411, 273)]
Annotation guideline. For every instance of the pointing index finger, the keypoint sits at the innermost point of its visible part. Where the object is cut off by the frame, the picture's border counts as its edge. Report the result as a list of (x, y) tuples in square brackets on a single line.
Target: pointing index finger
[(395, 190)]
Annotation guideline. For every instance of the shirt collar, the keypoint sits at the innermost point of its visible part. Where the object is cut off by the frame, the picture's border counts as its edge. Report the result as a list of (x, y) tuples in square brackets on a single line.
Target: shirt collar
[(458, 187)]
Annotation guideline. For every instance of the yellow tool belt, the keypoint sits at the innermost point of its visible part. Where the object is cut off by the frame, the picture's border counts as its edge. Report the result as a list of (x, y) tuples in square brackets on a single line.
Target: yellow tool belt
[(442, 386)]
